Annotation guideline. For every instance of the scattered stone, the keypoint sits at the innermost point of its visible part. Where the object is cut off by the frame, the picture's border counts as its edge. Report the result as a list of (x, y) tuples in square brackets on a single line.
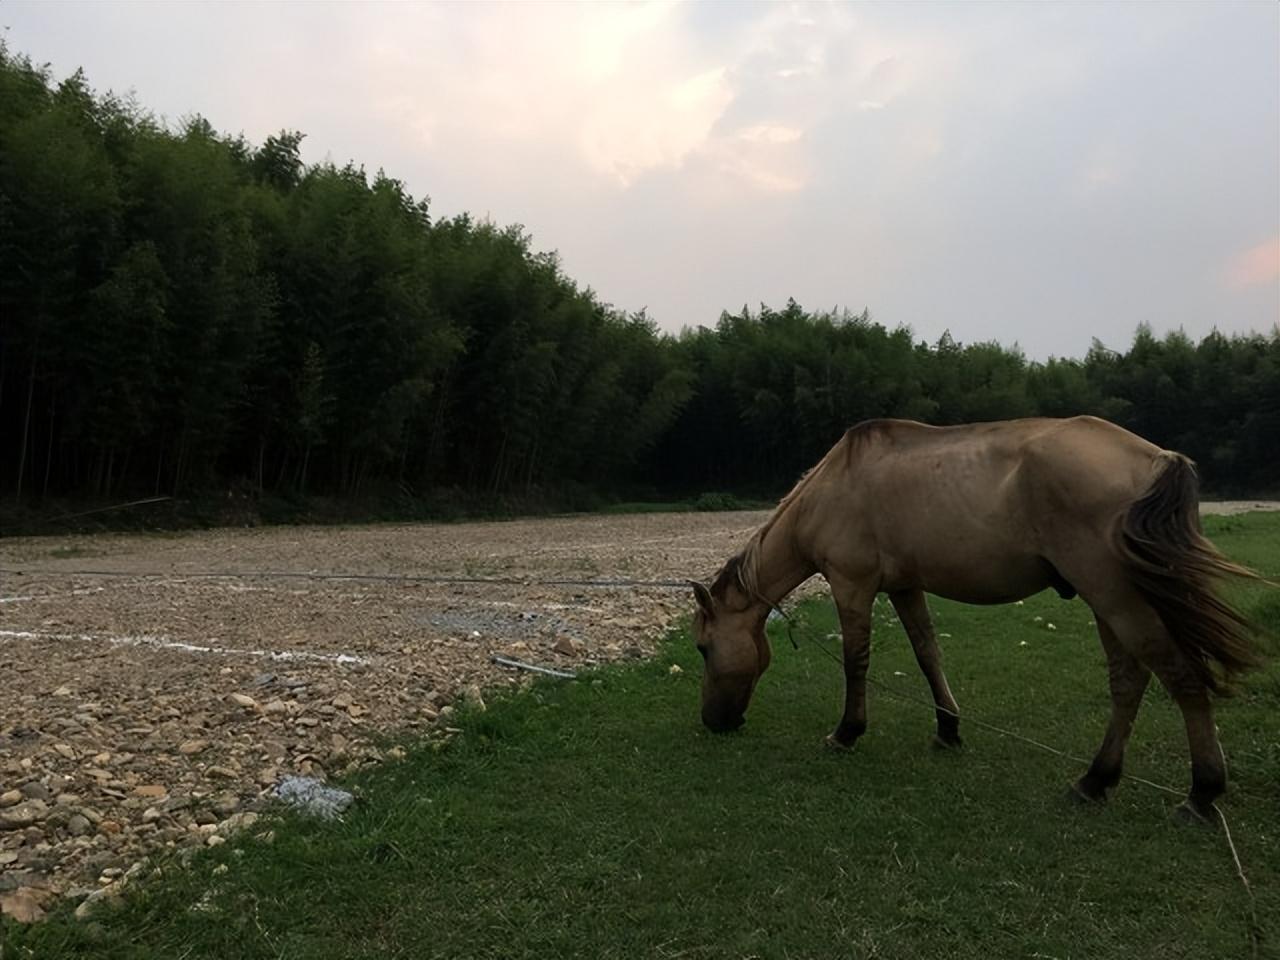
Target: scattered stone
[(565, 645), (214, 840), (35, 790), (311, 796), (225, 804), (24, 904), (471, 695), (128, 721), (23, 815), (152, 791), (78, 825), (106, 896), (237, 822)]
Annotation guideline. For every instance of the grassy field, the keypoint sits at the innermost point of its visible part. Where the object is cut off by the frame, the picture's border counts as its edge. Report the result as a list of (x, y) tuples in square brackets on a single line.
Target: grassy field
[(597, 818)]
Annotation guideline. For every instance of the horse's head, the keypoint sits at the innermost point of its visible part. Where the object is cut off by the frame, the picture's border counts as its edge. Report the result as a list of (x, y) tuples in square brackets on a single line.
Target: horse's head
[(728, 628)]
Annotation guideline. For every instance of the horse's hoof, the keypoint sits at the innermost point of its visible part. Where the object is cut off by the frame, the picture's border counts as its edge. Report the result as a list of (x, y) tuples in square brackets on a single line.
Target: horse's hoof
[(1077, 795), (1187, 812), (941, 743), (832, 741)]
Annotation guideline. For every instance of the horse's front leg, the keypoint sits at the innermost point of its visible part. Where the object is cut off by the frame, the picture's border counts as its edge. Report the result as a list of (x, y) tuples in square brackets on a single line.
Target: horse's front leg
[(853, 601)]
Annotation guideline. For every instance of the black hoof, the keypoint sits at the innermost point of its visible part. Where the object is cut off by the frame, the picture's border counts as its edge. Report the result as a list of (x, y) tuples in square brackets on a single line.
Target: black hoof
[(940, 742), (835, 743), (846, 734), (1188, 812), (1082, 796)]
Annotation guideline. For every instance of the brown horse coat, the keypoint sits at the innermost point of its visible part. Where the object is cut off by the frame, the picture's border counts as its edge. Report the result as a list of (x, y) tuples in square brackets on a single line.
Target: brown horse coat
[(991, 513)]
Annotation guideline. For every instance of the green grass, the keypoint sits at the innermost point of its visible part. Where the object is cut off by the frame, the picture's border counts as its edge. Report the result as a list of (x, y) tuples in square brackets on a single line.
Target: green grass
[(598, 819)]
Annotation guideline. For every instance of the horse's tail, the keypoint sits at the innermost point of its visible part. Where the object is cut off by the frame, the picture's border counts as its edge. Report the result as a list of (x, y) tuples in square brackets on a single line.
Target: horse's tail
[(1176, 569)]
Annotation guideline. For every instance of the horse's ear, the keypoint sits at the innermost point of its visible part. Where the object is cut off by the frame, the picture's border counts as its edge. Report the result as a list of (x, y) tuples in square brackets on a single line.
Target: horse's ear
[(703, 596)]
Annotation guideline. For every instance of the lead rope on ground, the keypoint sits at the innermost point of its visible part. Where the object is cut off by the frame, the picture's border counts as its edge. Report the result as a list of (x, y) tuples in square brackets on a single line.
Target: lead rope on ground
[(1255, 927)]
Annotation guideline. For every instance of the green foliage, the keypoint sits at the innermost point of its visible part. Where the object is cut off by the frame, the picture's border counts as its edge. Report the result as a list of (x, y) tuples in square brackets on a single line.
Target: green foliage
[(185, 313)]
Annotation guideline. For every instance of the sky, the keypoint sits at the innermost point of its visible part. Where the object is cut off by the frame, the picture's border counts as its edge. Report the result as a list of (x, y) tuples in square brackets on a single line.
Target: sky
[(1033, 173)]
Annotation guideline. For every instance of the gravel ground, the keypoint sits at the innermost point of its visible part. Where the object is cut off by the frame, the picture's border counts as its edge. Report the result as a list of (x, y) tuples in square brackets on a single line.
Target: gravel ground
[(148, 704)]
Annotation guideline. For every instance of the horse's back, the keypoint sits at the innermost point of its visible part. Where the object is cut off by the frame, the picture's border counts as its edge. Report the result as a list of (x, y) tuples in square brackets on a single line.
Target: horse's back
[(972, 511)]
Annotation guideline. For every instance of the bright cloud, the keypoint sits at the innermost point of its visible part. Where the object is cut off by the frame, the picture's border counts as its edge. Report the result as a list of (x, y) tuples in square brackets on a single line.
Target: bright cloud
[(1256, 266)]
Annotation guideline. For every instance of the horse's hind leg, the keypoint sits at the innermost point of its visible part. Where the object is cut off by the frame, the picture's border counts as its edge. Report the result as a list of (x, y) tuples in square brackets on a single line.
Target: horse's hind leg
[(913, 611), (1128, 679), (1140, 631)]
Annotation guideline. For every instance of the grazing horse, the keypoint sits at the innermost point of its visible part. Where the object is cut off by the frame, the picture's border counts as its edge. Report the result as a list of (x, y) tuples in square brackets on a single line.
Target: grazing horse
[(991, 513)]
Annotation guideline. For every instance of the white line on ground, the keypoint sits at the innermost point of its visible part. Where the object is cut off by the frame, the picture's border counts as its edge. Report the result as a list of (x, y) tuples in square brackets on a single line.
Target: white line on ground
[(167, 643), (52, 596)]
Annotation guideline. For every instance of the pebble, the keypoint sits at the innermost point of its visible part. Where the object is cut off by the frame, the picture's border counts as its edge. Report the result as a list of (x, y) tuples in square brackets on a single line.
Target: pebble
[(225, 804), (191, 747), (472, 696), (93, 901), (237, 822), (10, 798), (78, 825), (243, 700), (565, 646), (36, 791), (23, 904), (23, 815)]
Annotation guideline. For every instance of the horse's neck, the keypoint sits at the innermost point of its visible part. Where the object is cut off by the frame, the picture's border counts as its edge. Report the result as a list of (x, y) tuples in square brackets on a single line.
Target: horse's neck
[(780, 568)]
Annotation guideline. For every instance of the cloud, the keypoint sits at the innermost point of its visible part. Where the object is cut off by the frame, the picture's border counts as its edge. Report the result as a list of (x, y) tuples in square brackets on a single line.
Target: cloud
[(1257, 266)]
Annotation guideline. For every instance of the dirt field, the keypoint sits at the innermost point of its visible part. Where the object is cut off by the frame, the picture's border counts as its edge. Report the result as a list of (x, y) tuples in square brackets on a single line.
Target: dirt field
[(156, 688)]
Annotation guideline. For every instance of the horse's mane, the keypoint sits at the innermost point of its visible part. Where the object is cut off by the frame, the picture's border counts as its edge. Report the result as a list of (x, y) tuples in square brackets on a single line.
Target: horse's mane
[(742, 569)]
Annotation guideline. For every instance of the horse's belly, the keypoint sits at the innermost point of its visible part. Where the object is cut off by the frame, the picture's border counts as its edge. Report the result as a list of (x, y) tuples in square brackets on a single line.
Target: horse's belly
[(984, 580)]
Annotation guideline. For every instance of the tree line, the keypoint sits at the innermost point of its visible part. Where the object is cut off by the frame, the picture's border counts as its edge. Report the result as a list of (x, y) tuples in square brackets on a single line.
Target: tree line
[(184, 312)]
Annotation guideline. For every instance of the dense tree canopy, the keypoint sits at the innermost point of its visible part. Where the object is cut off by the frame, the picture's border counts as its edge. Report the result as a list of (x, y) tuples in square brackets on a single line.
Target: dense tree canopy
[(181, 311)]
